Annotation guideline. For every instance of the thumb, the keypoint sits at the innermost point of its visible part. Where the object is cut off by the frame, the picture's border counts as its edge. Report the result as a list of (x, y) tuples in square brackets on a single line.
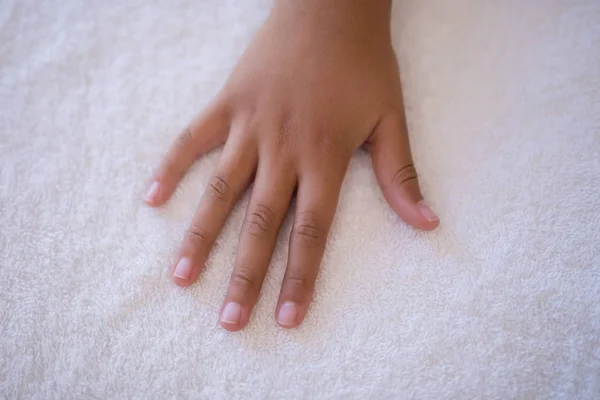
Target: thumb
[(396, 173)]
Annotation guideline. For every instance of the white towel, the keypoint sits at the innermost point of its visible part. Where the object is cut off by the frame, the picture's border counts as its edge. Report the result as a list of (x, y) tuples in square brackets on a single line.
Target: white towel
[(502, 301)]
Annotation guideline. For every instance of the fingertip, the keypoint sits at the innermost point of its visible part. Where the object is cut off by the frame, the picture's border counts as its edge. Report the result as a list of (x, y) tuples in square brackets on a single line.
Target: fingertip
[(428, 226), (417, 214), (232, 317), (182, 282), (231, 327), (286, 317), (419, 222), (431, 220), (184, 274), (152, 194), (158, 193), (290, 315), (288, 326)]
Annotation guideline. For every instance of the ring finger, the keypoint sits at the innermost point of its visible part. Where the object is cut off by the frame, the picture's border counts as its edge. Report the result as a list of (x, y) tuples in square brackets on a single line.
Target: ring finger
[(316, 202)]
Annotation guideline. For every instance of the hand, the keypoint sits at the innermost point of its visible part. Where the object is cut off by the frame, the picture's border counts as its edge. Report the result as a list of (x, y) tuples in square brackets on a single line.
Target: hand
[(318, 81)]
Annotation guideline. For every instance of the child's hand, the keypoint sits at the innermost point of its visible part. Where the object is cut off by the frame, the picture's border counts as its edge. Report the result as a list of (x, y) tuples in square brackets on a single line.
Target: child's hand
[(319, 81)]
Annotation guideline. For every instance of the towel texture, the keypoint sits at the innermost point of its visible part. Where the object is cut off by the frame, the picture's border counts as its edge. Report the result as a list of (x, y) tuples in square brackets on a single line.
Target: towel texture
[(502, 301)]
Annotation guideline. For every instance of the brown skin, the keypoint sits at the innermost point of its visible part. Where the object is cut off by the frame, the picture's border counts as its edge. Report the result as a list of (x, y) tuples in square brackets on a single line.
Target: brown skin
[(319, 80)]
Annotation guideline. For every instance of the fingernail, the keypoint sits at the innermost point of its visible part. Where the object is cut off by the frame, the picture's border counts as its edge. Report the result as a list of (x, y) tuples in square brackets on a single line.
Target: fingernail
[(183, 269), (427, 212), (152, 192), (231, 314), (287, 314)]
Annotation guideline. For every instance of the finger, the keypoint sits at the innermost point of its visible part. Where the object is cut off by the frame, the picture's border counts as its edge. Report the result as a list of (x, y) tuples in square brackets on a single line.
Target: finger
[(232, 176), (273, 189), (207, 131), (316, 203), (396, 173)]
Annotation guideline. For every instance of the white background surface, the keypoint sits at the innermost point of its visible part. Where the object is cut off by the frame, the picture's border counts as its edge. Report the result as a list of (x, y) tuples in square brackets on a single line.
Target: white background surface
[(502, 301)]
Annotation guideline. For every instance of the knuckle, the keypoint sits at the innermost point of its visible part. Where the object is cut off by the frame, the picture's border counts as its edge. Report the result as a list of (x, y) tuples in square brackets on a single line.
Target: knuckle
[(331, 154), (197, 235), (218, 189), (335, 144), (308, 231), (243, 278), (170, 167), (298, 283), (287, 129), (260, 221), (328, 145), (183, 139), (404, 174)]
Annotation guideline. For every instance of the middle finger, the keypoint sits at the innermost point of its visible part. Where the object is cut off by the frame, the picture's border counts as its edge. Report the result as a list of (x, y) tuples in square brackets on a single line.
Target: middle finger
[(273, 189)]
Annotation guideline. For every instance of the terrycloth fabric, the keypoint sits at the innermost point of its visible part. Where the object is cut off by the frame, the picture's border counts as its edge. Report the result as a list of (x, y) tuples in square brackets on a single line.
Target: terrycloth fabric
[(502, 301)]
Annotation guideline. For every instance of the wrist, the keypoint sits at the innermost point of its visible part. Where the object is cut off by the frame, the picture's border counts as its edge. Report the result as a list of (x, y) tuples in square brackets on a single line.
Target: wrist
[(355, 17)]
